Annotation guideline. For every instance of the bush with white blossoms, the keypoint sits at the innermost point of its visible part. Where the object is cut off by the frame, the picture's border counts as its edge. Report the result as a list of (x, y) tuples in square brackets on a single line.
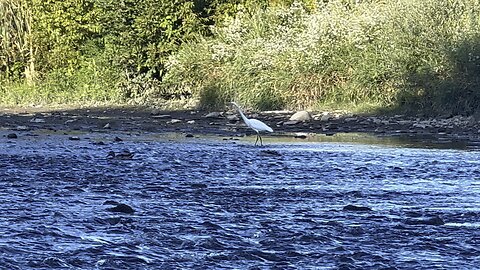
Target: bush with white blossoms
[(341, 53)]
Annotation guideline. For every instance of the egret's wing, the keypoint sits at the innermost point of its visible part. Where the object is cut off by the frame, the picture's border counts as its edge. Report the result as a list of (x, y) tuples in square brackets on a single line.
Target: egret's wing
[(259, 125)]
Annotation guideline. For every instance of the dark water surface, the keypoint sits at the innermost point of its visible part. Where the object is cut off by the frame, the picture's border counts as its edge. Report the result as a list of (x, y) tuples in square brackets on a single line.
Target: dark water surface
[(206, 204)]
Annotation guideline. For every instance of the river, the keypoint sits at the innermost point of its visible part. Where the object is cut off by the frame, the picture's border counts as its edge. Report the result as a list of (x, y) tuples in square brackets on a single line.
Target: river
[(204, 203)]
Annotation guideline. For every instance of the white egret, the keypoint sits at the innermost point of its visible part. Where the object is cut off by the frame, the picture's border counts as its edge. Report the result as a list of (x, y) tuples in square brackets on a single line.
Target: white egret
[(254, 124)]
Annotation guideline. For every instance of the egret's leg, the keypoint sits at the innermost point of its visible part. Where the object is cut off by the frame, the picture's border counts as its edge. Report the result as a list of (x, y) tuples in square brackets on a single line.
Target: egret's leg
[(261, 143), (256, 140)]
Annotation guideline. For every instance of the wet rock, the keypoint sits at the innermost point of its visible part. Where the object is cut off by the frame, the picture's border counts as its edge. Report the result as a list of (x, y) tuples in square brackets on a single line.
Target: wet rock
[(434, 221), (290, 123), (99, 143), (174, 121), (74, 138), (232, 118), (122, 208), (213, 115), (189, 135), (351, 207), (270, 153), (325, 117), (125, 154), (300, 136), (22, 128), (117, 139), (12, 136), (301, 116), (161, 116), (350, 119), (113, 220), (37, 120)]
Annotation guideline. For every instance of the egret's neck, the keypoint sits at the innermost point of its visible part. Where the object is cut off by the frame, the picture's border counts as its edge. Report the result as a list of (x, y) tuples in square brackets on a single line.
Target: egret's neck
[(245, 119)]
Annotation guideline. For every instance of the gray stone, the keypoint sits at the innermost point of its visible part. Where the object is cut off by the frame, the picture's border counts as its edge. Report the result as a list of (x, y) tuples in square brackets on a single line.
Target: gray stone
[(174, 121), (37, 120), (301, 116), (161, 116), (232, 118), (325, 117), (213, 115), (290, 123), (22, 128)]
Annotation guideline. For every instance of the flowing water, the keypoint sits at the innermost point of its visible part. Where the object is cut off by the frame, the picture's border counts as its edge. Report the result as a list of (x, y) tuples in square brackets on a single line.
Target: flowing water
[(213, 204)]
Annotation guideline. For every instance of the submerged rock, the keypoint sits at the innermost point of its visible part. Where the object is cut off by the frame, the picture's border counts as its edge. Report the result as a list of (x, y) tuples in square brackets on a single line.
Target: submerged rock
[(122, 208), (125, 154), (435, 221), (270, 153), (356, 208)]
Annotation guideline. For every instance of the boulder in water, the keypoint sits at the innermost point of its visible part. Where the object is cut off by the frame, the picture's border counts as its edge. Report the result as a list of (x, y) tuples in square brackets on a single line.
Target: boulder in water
[(122, 208)]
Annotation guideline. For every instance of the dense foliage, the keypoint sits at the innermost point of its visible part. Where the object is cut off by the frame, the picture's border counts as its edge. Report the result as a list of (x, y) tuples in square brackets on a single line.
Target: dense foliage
[(409, 54)]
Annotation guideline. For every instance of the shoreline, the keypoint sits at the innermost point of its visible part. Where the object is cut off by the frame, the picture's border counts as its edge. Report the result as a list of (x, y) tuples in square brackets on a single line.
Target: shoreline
[(228, 123)]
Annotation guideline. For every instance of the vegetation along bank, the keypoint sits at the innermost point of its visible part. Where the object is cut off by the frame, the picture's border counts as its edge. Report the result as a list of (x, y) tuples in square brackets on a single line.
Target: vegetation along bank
[(420, 56)]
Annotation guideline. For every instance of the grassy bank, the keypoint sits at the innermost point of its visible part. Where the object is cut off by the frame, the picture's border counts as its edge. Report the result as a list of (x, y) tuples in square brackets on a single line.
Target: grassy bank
[(411, 55)]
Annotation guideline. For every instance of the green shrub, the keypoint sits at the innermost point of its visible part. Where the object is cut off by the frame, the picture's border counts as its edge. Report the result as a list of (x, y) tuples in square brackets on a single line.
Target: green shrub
[(410, 54)]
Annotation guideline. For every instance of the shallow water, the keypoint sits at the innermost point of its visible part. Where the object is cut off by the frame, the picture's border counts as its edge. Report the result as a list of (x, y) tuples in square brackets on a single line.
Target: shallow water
[(210, 204)]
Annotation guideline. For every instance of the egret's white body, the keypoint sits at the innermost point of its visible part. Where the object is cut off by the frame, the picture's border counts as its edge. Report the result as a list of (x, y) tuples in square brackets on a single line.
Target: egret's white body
[(254, 124)]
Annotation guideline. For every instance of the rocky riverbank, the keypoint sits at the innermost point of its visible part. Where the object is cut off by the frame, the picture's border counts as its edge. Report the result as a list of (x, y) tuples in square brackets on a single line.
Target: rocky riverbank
[(228, 123)]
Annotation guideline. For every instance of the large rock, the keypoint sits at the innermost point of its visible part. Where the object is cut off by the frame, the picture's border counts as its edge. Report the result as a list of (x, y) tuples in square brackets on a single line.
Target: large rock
[(301, 116)]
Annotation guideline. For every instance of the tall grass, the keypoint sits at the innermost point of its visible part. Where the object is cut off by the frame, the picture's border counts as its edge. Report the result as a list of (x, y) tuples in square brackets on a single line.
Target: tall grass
[(93, 82), (408, 54)]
